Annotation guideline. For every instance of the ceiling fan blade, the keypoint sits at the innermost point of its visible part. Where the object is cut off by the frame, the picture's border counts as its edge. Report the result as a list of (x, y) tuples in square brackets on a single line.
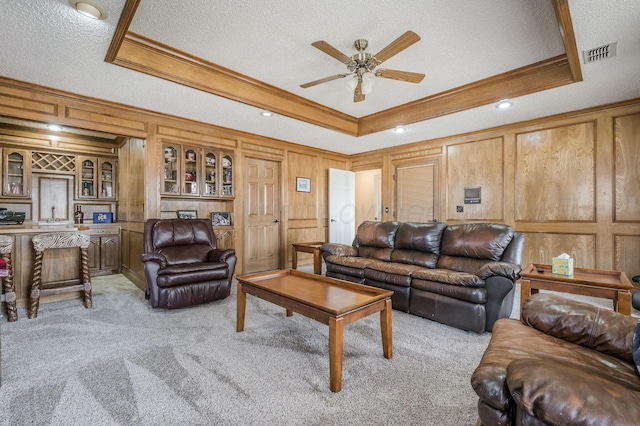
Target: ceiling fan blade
[(397, 46), (332, 51), (323, 80), (358, 96), (411, 77)]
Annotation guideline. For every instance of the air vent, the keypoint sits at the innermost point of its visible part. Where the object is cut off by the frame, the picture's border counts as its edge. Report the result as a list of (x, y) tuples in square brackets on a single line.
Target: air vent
[(600, 53)]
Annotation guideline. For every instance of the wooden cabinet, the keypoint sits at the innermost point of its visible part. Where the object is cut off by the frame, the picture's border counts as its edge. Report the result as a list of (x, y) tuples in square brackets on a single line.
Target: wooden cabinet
[(227, 175), (192, 171), (104, 251), (16, 173), (191, 160), (96, 178)]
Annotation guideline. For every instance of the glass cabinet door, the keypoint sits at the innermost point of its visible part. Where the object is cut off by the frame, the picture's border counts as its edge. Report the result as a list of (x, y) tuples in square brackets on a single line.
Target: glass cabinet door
[(227, 175), (16, 173), (210, 174), (107, 179), (170, 181), (88, 182), (191, 157)]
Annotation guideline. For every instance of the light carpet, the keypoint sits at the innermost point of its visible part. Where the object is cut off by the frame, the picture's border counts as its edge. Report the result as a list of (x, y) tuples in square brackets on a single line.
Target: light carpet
[(123, 363)]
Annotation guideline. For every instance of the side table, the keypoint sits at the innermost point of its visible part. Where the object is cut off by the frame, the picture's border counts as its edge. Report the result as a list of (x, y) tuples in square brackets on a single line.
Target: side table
[(612, 285), (313, 247)]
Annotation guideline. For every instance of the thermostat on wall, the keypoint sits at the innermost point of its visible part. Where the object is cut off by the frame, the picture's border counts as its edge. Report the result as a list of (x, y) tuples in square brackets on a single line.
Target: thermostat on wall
[(472, 195)]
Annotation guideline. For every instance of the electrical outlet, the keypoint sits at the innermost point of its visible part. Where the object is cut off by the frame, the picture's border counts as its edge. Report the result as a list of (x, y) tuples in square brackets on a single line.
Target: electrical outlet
[(459, 209)]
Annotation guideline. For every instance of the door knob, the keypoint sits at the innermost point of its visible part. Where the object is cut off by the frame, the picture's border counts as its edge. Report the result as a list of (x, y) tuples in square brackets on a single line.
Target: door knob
[(275, 221), (332, 220)]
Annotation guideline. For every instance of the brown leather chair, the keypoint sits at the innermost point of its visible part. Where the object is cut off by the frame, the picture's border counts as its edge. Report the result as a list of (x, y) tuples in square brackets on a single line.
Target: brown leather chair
[(182, 265)]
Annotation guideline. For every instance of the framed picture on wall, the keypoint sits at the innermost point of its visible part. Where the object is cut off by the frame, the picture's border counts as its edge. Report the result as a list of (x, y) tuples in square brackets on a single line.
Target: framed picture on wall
[(303, 184), (187, 214), (221, 218)]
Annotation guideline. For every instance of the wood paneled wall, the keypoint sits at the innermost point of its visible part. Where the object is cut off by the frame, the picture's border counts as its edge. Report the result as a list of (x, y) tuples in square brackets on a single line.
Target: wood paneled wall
[(570, 182)]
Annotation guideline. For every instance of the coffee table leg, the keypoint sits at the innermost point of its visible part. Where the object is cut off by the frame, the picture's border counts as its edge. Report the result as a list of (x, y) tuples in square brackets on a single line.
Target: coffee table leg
[(336, 345), (385, 327), (241, 307)]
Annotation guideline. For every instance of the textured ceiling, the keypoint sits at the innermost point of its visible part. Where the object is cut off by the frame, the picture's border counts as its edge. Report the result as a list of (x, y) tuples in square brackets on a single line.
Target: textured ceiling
[(47, 43)]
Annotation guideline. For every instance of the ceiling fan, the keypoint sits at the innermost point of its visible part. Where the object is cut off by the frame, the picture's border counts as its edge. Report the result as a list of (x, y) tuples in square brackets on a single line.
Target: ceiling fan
[(362, 65)]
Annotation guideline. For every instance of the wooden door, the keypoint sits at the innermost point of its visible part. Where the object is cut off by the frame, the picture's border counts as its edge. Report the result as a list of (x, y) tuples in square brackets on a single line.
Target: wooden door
[(417, 192), (262, 209)]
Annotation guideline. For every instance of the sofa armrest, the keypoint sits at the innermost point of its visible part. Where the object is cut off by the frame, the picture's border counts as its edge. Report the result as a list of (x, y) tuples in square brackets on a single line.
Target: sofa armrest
[(587, 325), (220, 255), (155, 257), (339, 249), (558, 393), (503, 269)]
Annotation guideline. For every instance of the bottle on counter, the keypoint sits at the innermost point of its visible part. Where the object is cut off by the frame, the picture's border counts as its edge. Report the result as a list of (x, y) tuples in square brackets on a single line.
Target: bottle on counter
[(78, 216)]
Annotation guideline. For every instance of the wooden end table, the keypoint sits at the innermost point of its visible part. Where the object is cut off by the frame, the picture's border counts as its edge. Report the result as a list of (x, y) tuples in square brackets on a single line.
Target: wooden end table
[(314, 248), (612, 285), (333, 302)]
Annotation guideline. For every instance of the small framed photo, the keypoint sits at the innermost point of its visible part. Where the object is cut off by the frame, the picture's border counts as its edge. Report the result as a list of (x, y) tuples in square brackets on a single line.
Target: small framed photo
[(102, 217), (187, 214), (221, 218), (303, 184)]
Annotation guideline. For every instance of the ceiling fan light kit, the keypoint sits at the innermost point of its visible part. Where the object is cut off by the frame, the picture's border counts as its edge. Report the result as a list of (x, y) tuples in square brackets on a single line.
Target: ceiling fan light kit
[(362, 65)]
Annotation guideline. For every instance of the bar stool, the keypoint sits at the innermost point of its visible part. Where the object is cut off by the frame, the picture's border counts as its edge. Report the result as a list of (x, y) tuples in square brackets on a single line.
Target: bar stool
[(6, 249), (60, 240)]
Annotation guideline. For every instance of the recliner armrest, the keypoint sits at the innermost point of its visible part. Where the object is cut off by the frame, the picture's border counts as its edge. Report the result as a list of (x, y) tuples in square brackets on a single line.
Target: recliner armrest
[(504, 269), (220, 255), (587, 325), (339, 249), (155, 257)]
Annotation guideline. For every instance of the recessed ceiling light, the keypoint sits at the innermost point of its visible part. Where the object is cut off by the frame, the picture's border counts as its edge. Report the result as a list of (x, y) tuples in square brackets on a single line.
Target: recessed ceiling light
[(54, 127), (266, 114), (399, 129), (504, 104), (89, 8)]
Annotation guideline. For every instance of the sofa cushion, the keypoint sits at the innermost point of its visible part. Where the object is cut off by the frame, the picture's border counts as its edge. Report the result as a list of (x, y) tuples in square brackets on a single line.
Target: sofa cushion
[(476, 240), (395, 268), (350, 261), (418, 243), (376, 234), (469, 294), (449, 277)]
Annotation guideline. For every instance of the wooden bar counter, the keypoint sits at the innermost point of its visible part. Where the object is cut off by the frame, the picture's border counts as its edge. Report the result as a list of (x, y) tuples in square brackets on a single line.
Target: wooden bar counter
[(62, 264)]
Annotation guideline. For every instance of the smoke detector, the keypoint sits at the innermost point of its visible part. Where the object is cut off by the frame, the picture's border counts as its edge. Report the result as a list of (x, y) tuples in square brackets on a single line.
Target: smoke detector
[(600, 53)]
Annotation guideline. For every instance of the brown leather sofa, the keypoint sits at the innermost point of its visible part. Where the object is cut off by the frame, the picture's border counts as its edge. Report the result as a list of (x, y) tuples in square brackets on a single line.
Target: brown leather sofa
[(182, 265), (565, 363), (460, 275)]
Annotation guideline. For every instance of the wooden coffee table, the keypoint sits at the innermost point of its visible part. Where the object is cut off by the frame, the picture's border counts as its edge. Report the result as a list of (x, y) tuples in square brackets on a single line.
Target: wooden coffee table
[(612, 285), (327, 300)]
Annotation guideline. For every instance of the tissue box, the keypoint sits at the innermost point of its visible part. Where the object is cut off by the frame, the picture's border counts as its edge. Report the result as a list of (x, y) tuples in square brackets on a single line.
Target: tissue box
[(562, 266)]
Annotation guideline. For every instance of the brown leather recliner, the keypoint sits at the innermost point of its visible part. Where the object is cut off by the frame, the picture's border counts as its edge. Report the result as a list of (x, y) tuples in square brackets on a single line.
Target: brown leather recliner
[(565, 363), (182, 265)]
